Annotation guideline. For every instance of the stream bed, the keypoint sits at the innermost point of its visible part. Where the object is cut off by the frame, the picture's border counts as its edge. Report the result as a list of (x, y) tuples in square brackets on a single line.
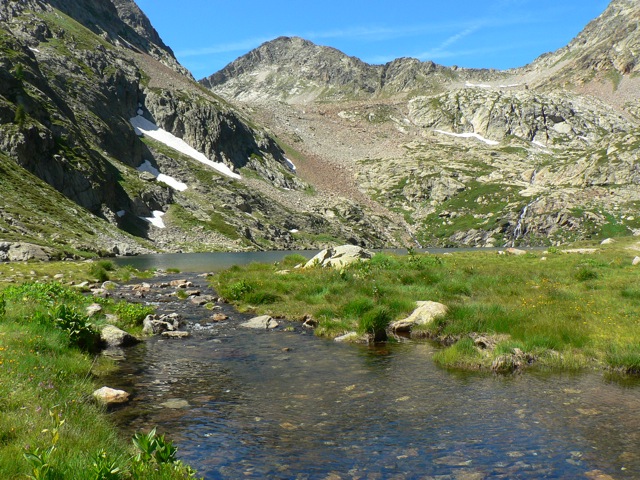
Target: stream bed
[(241, 403)]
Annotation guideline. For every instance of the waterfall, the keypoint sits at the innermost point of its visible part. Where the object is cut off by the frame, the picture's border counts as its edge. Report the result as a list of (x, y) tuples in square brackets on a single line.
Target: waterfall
[(413, 237), (519, 230)]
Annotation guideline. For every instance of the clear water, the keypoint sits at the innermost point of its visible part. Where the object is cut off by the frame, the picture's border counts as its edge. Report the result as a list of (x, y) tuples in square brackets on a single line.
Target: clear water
[(255, 404)]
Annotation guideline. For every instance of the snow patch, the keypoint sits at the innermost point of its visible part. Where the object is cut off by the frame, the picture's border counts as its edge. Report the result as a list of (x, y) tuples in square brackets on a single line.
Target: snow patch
[(294, 230), (120, 213), (290, 164), (469, 135), (34, 50), (156, 220), (477, 85), (486, 85), (161, 177), (142, 126)]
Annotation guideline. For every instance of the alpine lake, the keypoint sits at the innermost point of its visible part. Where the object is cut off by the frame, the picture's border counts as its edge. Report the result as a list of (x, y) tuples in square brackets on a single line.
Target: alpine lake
[(284, 404)]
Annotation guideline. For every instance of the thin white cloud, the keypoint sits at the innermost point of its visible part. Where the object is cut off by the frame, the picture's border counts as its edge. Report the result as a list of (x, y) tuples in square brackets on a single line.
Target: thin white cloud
[(241, 46), (367, 33), (441, 49)]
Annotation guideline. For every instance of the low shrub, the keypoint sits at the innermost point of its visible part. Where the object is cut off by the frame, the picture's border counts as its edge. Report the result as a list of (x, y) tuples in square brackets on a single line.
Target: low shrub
[(585, 273), (261, 298), (238, 290), (81, 332), (132, 314), (106, 265), (98, 273)]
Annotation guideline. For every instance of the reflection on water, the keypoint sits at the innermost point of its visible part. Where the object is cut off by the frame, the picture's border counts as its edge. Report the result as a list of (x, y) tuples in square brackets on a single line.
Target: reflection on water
[(247, 404)]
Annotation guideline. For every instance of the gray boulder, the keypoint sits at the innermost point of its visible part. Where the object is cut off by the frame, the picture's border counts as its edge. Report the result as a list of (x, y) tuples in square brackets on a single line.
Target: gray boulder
[(263, 322), (339, 257), (21, 252), (112, 336)]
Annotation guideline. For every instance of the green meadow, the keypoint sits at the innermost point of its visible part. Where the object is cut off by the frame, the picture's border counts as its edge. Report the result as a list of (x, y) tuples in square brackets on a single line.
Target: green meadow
[(556, 309)]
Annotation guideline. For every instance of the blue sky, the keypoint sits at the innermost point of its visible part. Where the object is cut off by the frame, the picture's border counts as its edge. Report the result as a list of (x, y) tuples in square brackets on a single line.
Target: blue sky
[(206, 35)]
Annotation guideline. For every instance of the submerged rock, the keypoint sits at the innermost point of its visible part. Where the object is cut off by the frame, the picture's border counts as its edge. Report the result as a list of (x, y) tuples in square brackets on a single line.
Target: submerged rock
[(176, 334), (264, 322), (175, 403), (352, 337)]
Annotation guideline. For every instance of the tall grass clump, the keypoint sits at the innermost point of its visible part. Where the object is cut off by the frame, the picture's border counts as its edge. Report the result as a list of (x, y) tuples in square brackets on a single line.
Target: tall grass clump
[(624, 358), (374, 322), (462, 354)]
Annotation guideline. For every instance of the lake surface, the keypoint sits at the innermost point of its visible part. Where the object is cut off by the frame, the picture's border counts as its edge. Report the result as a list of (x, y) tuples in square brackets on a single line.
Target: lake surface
[(280, 404), (216, 261)]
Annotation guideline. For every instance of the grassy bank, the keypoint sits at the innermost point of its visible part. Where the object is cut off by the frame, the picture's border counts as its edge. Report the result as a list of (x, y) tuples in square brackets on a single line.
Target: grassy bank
[(50, 426), (549, 309)]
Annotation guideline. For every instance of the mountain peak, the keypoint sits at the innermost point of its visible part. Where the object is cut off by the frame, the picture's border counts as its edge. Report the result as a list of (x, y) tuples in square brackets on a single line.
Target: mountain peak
[(609, 43)]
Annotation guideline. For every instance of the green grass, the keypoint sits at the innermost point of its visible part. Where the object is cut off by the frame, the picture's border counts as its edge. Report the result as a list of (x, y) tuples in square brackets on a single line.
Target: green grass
[(49, 425), (568, 312)]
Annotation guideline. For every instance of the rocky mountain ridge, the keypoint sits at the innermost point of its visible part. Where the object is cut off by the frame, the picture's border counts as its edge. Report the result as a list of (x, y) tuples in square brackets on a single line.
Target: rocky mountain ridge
[(108, 145), (543, 154), (74, 79)]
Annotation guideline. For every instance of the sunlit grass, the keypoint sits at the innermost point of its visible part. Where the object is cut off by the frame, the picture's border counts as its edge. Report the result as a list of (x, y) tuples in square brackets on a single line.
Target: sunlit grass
[(567, 310), (47, 376)]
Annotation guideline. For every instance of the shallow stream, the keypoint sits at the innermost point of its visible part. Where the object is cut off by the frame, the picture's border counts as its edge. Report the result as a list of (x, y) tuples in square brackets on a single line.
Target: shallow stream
[(242, 403)]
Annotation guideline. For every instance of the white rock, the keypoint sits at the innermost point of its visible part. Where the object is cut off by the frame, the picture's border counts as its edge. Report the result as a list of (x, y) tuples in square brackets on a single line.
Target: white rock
[(109, 395), (424, 314), (338, 257)]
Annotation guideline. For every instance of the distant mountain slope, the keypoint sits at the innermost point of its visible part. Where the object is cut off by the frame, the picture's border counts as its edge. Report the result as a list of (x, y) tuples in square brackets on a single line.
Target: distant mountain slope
[(538, 155)]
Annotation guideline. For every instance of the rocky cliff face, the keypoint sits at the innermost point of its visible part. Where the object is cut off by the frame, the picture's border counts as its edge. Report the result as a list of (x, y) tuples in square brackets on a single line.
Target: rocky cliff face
[(539, 155), (74, 79), (608, 44)]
